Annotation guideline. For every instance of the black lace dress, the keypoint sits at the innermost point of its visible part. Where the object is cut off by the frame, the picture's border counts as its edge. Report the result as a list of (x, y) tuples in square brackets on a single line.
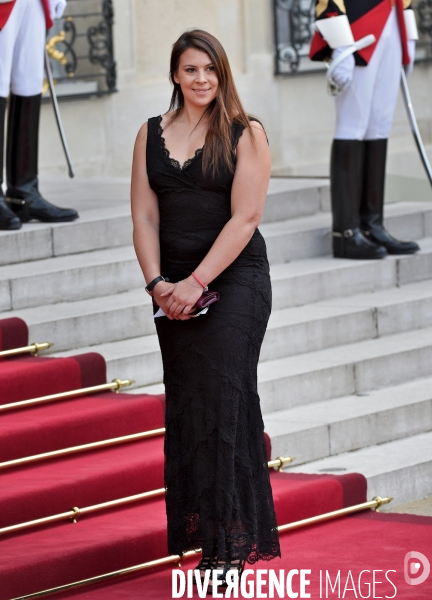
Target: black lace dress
[(218, 494)]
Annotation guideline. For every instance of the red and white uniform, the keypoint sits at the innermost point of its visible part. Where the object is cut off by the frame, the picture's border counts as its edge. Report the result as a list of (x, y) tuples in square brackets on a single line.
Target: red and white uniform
[(364, 110), (364, 17), (23, 26), (6, 7)]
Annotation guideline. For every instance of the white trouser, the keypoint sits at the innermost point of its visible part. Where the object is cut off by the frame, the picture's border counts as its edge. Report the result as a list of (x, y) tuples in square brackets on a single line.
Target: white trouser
[(364, 111), (22, 42)]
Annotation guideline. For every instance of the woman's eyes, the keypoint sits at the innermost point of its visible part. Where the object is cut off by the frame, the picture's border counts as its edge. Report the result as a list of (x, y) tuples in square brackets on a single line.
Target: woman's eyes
[(192, 69)]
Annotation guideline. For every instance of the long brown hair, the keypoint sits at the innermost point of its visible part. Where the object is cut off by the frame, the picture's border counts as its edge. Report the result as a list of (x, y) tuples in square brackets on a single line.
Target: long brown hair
[(223, 110)]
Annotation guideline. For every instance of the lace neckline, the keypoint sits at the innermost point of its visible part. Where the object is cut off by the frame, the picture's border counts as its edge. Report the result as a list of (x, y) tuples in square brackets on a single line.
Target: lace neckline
[(175, 163)]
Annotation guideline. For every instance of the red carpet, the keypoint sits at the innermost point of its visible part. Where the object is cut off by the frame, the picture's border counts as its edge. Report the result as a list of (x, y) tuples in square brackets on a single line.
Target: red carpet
[(48, 556), (78, 421), (26, 377), (114, 539), (365, 542), (13, 333), (53, 486)]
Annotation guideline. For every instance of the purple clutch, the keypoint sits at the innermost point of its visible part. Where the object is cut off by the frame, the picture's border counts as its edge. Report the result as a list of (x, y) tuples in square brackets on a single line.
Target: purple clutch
[(206, 299)]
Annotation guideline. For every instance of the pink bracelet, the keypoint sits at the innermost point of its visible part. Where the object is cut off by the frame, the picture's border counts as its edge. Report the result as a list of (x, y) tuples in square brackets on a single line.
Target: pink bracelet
[(205, 287)]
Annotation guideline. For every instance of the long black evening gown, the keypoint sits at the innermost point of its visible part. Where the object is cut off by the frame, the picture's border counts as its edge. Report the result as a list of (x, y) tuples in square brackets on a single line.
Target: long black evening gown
[(218, 493)]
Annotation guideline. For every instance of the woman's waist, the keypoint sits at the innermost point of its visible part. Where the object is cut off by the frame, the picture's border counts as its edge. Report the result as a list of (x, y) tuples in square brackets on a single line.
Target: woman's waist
[(196, 241), (184, 247), (179, 259)]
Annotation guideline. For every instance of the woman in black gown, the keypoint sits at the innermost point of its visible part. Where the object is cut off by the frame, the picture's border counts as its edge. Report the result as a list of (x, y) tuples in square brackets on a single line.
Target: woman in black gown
[(195, 224)]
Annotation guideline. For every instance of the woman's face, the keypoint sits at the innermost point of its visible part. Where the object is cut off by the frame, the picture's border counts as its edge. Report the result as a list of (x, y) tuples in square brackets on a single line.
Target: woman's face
[(197, 77)]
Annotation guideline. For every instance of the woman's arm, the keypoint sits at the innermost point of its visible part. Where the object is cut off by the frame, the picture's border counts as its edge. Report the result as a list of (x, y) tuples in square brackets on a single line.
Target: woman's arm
[(248, 196), (145, 217)]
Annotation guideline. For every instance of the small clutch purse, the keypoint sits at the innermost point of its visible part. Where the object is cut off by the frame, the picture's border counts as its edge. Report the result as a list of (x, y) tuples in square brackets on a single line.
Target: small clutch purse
[(206, 299)]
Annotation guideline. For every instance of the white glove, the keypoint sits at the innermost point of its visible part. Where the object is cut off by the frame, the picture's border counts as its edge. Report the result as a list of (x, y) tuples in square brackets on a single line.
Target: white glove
[(411, 51), (56, 8), (344, 72)]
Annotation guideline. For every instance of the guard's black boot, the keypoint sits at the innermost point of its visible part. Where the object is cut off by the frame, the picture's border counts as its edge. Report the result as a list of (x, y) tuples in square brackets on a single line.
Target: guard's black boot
[(346, 178), (22, 164), (372, 202), (8, 219)]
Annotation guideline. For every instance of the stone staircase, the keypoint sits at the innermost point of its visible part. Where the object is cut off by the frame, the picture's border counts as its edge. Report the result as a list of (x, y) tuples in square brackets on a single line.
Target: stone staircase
[(345, 376)]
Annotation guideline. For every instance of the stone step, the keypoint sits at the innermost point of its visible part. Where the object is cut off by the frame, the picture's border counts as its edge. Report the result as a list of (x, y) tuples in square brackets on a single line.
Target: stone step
[(152, 389), (110, 225), (308, 236), (401, 468), (103, 272), (69, 278), (70, 325), (323, 277), (296, 380), (340, 371), (94, 230), (293, 198), (339, 425), (339, 321), (136, 358)]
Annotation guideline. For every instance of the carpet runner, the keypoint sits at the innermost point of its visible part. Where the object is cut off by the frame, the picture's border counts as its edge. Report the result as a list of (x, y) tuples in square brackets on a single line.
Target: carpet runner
[(361, 548), (51, 555), (81, 420), (13, 333)]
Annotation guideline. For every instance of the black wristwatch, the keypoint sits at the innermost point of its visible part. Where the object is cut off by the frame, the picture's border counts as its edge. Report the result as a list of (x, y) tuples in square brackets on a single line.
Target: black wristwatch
[(150, 286)]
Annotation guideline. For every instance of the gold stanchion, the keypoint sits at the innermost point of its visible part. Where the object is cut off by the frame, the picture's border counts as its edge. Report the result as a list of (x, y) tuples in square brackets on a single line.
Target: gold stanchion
[(376, 503), (31, 349), (82, 448), (114, 386), (75, 512), (280, 462)]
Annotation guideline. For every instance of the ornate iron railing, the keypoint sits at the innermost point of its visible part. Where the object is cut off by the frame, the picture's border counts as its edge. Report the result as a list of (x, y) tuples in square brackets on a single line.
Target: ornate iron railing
[(293, 27), (423, 10), (81, 49), (293, 24)]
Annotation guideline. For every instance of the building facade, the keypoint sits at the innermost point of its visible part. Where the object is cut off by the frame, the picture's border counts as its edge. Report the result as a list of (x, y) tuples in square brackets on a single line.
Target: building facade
[(296, 109)]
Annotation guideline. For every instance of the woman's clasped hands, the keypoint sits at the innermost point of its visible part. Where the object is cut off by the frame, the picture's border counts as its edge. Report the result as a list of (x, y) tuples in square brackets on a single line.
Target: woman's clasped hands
[(177, 300)]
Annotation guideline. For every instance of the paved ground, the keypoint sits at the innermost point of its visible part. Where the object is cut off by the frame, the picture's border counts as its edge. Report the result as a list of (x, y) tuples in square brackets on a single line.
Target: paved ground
[(85, 194), (418, 507), (88, 194)]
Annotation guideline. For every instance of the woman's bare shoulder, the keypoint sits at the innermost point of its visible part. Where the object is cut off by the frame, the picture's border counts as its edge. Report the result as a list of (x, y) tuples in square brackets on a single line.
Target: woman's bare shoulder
[(250, 137), (256, 125), (142, 132), (258, 130), (140, 145)]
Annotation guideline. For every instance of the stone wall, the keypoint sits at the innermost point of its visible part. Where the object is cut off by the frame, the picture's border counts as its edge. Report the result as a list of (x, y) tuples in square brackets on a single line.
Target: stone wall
[(297, 111)]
